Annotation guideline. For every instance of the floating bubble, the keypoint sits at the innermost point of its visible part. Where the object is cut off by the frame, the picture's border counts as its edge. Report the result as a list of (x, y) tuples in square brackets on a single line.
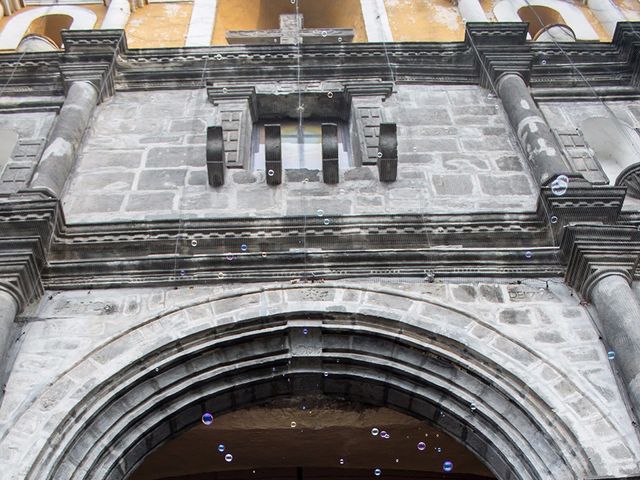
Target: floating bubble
[(207, 418), (323, 33), (339, 39), (438, 449), (473, 407), (341, 461), (293, 424), (320, 212), (244, 247), (306, 180), (228, 457), (327, 221), (377, 472), (326, 374), (559, 185), (224, 90), (194, 243), (397, 460), (374, 431), (422, 446), (379, 154), (221, 448), (543, 62), (384, 435), (305, 331), (553, 219), (220, 274), (330, 94), (611, 355), (264, 254), (528, 254), (218, 57), (271, 173), (447, 466), (230, 257)]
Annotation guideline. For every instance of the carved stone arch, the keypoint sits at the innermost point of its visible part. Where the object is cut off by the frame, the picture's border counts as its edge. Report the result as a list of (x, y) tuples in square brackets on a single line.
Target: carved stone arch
[(421, 357), (18, 25)]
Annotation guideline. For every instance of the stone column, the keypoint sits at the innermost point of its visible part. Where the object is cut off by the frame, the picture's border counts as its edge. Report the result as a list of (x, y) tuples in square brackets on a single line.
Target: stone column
[(376, 21), (541, 147), (607, 14), (8, 312), (471, 11), (619, 314), (201, 25), (117, 15), (60, 152)]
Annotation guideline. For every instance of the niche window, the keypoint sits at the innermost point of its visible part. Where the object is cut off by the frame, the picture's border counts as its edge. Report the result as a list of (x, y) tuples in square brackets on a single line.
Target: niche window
[(301, 145)]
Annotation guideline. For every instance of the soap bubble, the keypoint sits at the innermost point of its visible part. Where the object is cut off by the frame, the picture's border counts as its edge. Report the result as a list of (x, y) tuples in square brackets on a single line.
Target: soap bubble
[(422, 446), (473, 407), (293, 424), (326, 374), (559, 185), (221, 448), (271, 173), (447, 466), (320, 212), (207, 418), (244, 247), (323, 33), (305, 331), (194, 243), (327, 221), (330, 94), (384, 435), (230, 257), (228, 457), (611, 355), (374, 431), (379, 154), (438, 449), (377, 472), (554, 219), (528, 254), (341, 461)]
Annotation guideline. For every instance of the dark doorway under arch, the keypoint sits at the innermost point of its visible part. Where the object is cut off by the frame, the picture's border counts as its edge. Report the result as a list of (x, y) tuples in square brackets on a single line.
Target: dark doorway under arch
[(312, 438)]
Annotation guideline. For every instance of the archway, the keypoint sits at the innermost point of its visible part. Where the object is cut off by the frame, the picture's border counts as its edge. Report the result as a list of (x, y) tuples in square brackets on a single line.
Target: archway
[(377, 347), (540, 17), (50, 27)]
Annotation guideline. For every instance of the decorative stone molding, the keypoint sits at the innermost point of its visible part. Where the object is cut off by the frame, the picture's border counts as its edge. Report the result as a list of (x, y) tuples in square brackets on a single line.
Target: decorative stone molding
[(596, 251), (215, 156), (330, 170), (388, 152)]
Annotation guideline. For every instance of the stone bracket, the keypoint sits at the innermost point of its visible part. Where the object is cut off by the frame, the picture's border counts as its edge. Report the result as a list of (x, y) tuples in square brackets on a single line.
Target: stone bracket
[(215, 156), (592, 251), (330, 167), (20, 168), (236, 113), (388, 152), (273, 154)]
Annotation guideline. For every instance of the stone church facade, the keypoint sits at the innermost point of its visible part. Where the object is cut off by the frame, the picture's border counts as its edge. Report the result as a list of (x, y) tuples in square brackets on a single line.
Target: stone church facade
[(445, 228)]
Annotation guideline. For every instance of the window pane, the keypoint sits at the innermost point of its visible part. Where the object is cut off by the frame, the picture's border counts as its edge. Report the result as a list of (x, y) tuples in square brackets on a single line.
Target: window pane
[(301, 147)]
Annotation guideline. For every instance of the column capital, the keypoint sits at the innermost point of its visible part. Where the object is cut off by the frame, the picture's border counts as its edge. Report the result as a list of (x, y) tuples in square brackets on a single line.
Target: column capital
[(90, 55), (595, 252)]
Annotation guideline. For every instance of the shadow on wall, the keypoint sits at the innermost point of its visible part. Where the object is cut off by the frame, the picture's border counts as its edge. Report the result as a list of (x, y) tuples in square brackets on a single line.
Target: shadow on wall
[(8, 140)]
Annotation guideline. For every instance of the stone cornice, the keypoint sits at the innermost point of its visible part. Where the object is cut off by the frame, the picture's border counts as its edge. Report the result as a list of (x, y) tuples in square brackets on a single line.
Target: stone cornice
[(596, 251), (26, 228), (489, 49)]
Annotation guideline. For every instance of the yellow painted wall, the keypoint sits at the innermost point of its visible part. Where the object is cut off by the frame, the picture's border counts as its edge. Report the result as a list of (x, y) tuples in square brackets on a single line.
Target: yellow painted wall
[(424, 21), (265, 14), (159, 25)]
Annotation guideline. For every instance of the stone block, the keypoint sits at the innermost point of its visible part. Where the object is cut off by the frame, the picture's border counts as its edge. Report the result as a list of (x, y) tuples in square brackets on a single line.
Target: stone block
[(97, 203), (486, 144), (464, 293), (428, 145), (302, 175), (509, 163), (452, 184), (187, 125), (112, 181), (194, 201), (140, 202), (360, 173), (178, 156), (93, 159), (244, 177), (505, 185), (515, 317), (197, 177), (162, 179)]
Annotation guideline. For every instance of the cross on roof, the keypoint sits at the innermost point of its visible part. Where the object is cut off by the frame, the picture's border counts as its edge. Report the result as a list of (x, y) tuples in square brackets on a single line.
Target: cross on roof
[(291, 31)]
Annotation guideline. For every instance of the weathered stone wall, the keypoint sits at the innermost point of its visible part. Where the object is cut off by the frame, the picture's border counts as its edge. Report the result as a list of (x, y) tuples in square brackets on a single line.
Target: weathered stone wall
[(144, 158), (538, 333)]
